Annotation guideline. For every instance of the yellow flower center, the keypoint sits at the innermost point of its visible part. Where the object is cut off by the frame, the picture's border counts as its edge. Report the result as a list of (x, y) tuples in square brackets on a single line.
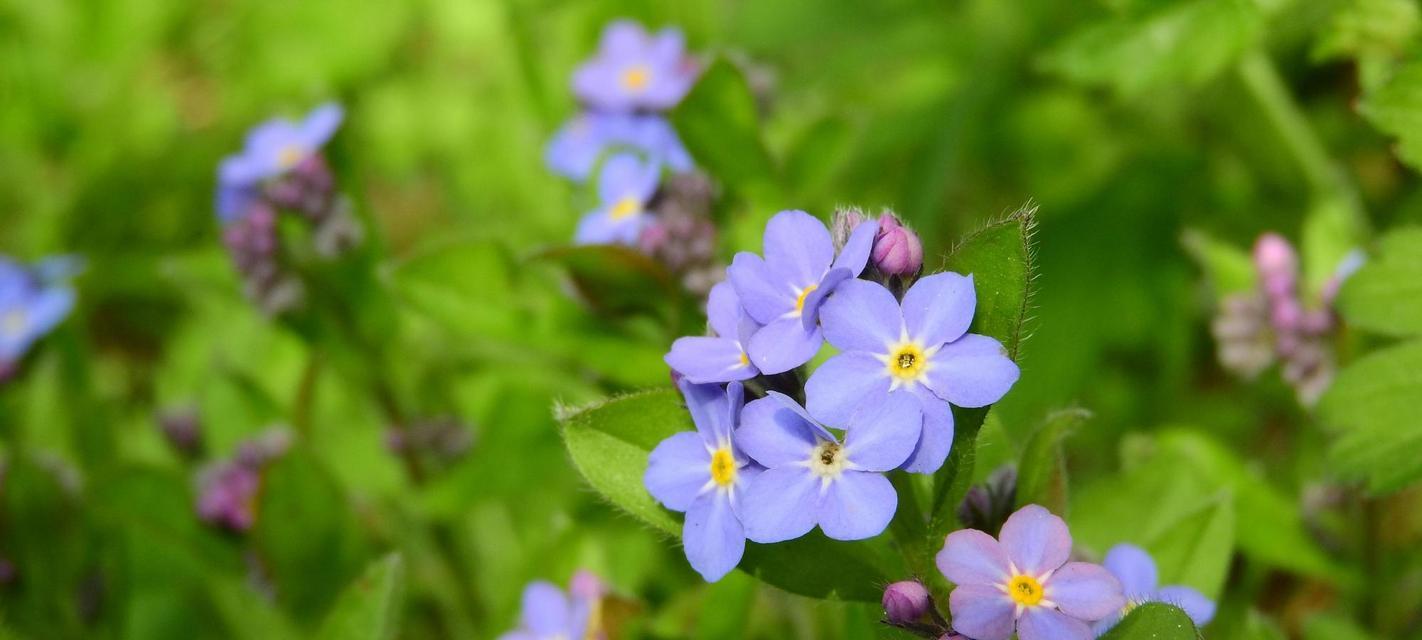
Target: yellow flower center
[(289, 156), (723, 467), (1025, 590), (636, 77), (827, 461), (14, 322), (745, 360), (625, 208), (800, 301), (907, 361)]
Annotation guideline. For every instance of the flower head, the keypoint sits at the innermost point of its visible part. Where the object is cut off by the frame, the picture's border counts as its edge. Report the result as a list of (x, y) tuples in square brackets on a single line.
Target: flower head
[(549, 614), (1023, 582), (814, 479), (574, 151), (33, 301), (1136, 571), (704, 474), (634, 70), (785, 289), (271, 149), (719, 358), (919, 348), (625, 188)]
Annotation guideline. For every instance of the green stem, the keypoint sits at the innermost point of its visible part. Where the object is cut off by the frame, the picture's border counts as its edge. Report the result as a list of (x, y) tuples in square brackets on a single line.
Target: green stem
[(306, 396), (909, 526), (1269, 91)]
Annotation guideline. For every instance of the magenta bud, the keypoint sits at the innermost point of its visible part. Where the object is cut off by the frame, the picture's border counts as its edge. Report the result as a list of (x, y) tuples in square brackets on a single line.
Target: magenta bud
[(1287, 315), (1274, 255), (586, 585), (897, 249), (905, 602)]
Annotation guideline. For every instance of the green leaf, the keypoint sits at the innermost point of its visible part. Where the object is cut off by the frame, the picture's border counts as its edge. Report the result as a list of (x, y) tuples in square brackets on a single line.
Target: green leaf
[(999, 257), (1196, 550), (369, 609), (1331, 231), (1154, 621), (1228, 268), (1374, 403), (615, 279), (609, 443), (1041, 475), (719, 123), (1329, 626), (1396, 108), (1369, 28), (1385, 295), (1183, 43), (466, 287)]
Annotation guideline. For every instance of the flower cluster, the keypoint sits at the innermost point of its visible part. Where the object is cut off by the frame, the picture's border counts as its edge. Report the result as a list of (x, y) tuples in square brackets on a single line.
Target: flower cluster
[(227, 493), (780, 468), (33, 301), (1254, 329), (548, 613), (647, 194), (279, 171)]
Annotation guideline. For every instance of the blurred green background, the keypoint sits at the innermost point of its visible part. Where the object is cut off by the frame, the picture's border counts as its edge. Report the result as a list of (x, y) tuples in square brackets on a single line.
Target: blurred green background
[(1126, 122)]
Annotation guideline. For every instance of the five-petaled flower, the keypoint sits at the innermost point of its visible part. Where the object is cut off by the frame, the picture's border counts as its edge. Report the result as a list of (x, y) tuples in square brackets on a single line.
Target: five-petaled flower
[(1134, 567), (704, 474), (812, 478), (575, 150), (634, 70), (32, 302), (272, 148), (719, 358), (625, 187), (1023, 582), (785, 289), (549, 614), (921, 349)]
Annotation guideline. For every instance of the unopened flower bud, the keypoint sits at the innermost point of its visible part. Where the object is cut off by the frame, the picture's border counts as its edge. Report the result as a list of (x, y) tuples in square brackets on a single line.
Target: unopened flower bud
[(906, 602), (183, 431), (987, 505), (897, 249), (586, 585), (1274, 255), (843, 224)]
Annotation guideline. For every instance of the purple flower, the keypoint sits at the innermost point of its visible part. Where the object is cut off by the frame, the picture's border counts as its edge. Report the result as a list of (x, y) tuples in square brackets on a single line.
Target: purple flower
[(271, 149), (702, 474), (574, 151), (1024, 582), (897, 249), (1135, 569), (812, 478), (635, 70), (784, 290), (549, 614), (905, 602), (228, 496), (33, 301), (625, 187), (920, 348), (721, 358)]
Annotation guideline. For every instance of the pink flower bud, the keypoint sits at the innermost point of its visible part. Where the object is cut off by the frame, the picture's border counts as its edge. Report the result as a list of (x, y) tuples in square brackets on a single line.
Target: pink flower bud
[(586, 585), (905, 602), (897, 249), (1274, 255)]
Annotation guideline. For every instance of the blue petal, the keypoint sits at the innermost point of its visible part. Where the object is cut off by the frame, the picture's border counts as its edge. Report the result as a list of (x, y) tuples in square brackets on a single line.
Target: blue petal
[(972, 371), (981, 612), (1043, 623), (842, 384), (712, 535), (763, 297), (882, 435), (723, 310), (858, 505), (774, 435), (677, 470), (545, 609), (936, 441), (1200, 609), (939, 308), (810, 309), (714, 411), (783, 345), (704, 360), (781, 504), (1085, 591), (320, 125), (862, 316), (1134, 567), (798, 248), (857, 248)]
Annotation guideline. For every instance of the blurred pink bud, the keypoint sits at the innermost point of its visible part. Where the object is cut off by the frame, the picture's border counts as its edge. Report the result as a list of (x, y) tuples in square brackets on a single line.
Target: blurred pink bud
[(586, 585), (1274, 255), (897, 249), (905, 602)]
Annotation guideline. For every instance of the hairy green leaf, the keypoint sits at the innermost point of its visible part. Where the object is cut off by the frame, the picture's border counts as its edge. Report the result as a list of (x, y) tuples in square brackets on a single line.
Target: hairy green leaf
[(1154, 621), (1042, 474)]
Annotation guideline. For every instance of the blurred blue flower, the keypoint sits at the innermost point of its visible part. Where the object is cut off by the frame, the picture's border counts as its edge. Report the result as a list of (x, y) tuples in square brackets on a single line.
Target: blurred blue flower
[(33, 300), (1022, 581), (634, 70), (719, 358), (812, 478), (625, 187), (1134, 567), (271, 149), (784, 290), (575, 149), (549, 614), (921, 349), (703, 474)]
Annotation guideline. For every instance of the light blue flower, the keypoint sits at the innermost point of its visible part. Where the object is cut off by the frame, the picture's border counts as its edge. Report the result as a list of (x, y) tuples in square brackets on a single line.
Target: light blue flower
[(33, 301), (635, 70), (625, 188), (271, 149), (1136, 570), (575, 150)]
